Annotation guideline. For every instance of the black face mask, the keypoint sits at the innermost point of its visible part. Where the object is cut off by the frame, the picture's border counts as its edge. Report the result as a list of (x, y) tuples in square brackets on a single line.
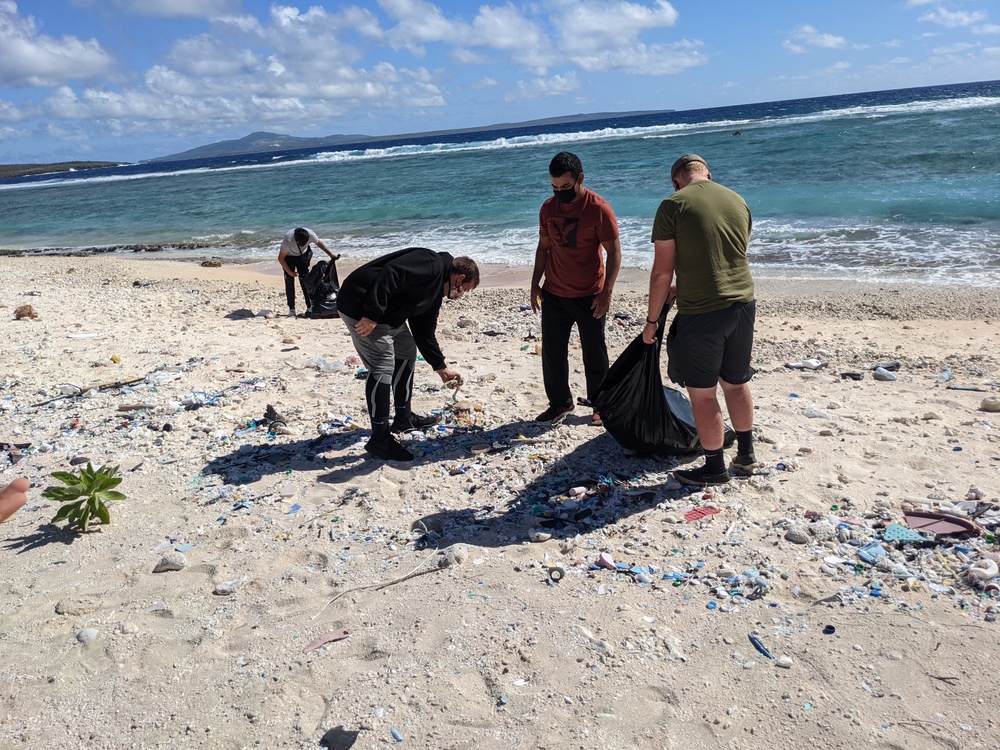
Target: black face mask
[(565, 196)]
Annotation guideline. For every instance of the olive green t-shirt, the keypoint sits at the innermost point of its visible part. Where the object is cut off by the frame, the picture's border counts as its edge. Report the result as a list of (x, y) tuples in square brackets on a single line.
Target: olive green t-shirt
[(710, 225)]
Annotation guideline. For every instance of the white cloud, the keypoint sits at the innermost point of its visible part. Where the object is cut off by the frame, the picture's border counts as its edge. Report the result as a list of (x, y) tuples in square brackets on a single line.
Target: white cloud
[(506, 28), (28, 58), (204, 56), (9, 112), (10, 133), (540, 88), (806, 36), (917, 3), (640, 59), (66, 134), (468, 57), (953, 19), (594, 24), (419, 22), (987, 28), (952, 49)]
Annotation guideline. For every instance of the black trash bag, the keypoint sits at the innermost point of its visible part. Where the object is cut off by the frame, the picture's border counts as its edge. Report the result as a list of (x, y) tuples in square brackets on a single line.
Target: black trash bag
[(640, 412), (324, 286)]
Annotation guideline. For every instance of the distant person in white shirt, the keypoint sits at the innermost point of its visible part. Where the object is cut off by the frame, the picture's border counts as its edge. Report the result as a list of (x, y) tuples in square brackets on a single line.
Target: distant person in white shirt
[(294, 256)]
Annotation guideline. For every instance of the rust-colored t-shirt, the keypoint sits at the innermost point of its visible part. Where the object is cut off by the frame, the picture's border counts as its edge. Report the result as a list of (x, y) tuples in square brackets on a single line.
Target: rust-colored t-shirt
[(576, 231)]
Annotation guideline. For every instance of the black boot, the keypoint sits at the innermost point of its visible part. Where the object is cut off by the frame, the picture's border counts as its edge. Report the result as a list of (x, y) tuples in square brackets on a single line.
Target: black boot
[(382, 443), (402, 394)]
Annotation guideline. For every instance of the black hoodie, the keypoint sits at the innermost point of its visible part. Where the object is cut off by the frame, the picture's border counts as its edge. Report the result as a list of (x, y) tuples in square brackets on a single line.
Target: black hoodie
[(403, 287)]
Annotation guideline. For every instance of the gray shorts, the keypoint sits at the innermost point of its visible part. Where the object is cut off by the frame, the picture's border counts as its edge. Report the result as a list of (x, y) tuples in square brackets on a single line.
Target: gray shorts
[(382, 347)]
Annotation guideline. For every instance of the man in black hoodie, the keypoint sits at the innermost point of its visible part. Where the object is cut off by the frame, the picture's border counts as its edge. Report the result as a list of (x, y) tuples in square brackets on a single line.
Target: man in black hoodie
[(390, 306)]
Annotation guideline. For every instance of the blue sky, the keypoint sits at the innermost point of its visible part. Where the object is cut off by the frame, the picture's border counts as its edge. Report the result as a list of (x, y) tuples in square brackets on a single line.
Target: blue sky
[(125, 80)]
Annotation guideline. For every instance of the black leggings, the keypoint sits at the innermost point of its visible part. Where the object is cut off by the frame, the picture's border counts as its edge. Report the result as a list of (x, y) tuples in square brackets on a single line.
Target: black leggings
[(299, 264)]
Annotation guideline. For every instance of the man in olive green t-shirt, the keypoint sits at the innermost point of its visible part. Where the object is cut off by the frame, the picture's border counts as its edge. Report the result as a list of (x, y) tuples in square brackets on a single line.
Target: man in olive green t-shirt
[(700, 233)]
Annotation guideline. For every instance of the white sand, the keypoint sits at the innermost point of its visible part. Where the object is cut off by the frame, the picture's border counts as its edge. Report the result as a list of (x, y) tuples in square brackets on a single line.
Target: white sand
[(483, 652)]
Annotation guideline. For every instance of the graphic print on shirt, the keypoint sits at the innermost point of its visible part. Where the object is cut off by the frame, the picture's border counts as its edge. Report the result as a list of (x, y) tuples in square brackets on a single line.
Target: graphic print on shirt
[(567, 232)]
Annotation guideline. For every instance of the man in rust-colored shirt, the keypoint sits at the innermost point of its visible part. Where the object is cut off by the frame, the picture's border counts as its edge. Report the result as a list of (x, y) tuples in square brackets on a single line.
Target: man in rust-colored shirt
[(574, 225)]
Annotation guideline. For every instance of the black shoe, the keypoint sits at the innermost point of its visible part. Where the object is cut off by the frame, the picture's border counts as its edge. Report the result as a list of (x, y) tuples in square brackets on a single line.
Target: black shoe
[(699, 477), (745, 465), (413, 422), (389, 449), (554, 413)]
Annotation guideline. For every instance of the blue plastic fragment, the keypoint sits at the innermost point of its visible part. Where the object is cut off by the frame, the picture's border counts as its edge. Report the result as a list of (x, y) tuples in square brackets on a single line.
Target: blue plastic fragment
[(712, 605), (870, 552), (294, 509), (183, 547), (759, 646), (395, 734)]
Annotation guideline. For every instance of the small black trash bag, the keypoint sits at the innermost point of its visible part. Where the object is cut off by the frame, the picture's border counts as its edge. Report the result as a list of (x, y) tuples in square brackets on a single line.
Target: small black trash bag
[(640, 412), (324, 286)]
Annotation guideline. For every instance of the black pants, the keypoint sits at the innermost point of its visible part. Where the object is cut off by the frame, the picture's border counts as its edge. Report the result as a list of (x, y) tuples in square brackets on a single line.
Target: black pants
[(558, 316), (299, 264)]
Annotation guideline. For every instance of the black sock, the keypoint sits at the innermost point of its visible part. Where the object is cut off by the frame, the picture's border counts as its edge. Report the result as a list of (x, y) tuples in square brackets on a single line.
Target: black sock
[(744, 443), (715, 463)]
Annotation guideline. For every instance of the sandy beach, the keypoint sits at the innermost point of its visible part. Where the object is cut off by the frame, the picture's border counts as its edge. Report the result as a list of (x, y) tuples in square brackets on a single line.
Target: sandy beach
[(277, 588)]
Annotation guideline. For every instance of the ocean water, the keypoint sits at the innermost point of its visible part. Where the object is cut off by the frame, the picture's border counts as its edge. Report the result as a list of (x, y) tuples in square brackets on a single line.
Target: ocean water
[(897, 185)]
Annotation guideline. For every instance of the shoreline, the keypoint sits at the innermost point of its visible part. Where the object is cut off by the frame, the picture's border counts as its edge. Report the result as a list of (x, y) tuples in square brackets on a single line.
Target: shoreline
[(769, 278), (839, 298)]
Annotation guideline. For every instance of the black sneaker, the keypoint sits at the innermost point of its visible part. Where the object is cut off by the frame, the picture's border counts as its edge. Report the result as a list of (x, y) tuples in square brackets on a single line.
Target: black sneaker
[(389, 449), (413, 422), (745, 465), (555, 413), (699, 477)]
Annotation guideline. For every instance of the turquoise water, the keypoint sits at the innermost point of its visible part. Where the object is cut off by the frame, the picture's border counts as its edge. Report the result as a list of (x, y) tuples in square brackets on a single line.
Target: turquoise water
[(899, 185)]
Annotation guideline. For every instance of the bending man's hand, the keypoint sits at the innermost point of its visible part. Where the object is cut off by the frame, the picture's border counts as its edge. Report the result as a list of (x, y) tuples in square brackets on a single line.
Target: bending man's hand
[(365, 326), (12, 497), (450, 377)]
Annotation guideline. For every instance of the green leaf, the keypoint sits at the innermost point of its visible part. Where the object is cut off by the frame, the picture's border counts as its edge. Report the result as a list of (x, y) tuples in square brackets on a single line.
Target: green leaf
[(65, 477), (111, 496), (104, 483), (85, 520), (64, 512), (63, 494), (103, 514)]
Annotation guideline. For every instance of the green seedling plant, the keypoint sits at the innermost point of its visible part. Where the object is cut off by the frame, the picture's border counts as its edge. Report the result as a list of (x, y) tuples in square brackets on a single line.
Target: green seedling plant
[(86, 495)]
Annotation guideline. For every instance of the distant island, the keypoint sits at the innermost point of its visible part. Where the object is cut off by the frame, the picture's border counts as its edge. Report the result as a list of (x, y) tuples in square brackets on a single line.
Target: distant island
[(263, 142), (23, 170)]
